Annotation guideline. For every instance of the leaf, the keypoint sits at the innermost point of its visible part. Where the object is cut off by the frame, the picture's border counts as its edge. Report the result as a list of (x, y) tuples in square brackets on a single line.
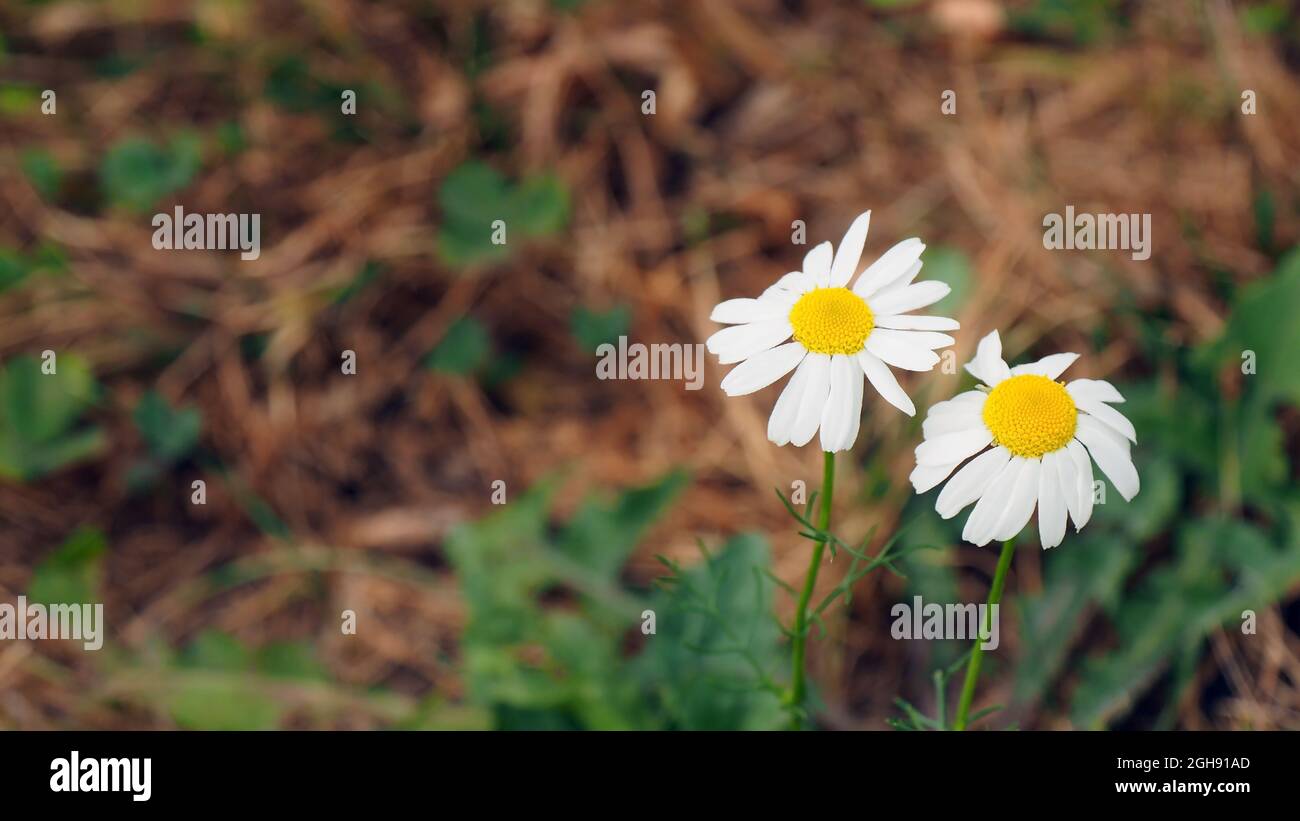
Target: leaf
[(951, 266), (216, 650), (42, 171), (1263, 321), (170, 433), (136, 173), (464, 349), (291, 659), (474, 196), (14, 268), (602, 536), (39, 407), (73, 572), (540, 206), (221, 704), (595, 328), (717, 644), (1088, 571)]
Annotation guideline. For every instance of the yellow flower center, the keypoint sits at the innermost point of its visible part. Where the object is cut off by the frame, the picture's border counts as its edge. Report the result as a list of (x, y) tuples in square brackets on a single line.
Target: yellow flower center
[(1030, 415), (832, 320)]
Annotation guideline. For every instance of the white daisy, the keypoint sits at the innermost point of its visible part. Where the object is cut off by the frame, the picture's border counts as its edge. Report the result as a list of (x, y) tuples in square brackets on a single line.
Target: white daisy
[(839, 333), (1031, 437)]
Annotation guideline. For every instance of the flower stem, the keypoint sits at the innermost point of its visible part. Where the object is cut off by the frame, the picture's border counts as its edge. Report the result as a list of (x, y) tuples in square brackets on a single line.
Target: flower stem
[(798, 688), (977, 652)]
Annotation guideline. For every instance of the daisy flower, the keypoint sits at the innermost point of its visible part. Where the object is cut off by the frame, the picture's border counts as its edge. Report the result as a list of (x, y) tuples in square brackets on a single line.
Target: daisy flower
[(1034, 441), (840, 334)]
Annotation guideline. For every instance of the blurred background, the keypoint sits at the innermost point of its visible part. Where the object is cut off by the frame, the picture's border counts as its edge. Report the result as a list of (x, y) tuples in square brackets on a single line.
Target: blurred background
[(373, 493)]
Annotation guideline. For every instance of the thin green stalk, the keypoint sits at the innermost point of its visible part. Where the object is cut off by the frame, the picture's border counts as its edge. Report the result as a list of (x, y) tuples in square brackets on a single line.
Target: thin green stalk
[(798, 688), (977, 652)]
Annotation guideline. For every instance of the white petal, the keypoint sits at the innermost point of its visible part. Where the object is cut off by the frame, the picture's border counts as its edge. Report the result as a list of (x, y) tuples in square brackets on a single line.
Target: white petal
[(925, 477), (909, 276), (951, 448), (979, 526), (971, 481), (916, 295), (893, 264), (817, 264), (1111, 418), (781, 422), (1068, 479), (960, 402), (1020, 506), (967, 417), (737, 311), (1083, 481), (743, 341), (988, 365), (1094, 390), (1050, 366), (815, 393), (856, 399), (900, 354), (761, 370), (840, 413), (1051, 501), (1112, 456), (793, 284), (850, 251), (907, 322), (916, 339), (882, 379)]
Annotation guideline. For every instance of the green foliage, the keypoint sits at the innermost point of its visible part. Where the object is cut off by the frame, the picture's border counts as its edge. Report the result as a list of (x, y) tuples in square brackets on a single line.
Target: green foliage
[(38, 417), (43, 171), (949, 265), (218, 689), (475, 195), (14, 268), (550, 618), (137, 173), (464, 349), (595, 328), (171, 433), (73, 572)]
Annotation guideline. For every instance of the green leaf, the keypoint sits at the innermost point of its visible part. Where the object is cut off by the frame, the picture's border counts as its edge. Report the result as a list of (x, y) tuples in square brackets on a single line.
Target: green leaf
[(221, 704), (464, 349), (1088, 571), (951, 266), (1263, 321), (474, 196), (291, 659), (42, 171), (38, 406), (14, 268), (716, 644), (216, 650), (73, 572), (595, 328), (602, 536), (170, 433), (136, 173), (540, 206)]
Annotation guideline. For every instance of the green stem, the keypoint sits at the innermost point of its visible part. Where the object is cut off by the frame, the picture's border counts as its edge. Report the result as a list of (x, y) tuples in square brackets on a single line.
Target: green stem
[(798, 689), (977, 652)]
